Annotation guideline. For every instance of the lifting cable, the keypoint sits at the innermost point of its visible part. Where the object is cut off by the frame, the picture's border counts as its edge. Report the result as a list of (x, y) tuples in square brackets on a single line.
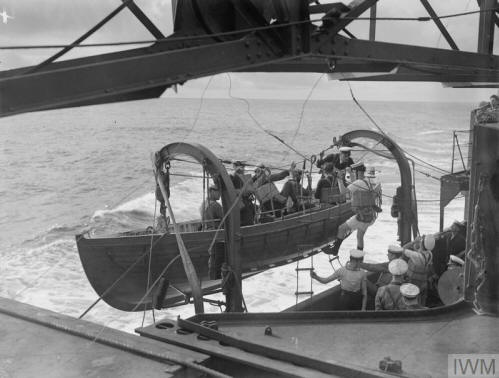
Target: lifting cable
[(248, 108), (196, 119), (381, 130), (304, 105), (244, 31)]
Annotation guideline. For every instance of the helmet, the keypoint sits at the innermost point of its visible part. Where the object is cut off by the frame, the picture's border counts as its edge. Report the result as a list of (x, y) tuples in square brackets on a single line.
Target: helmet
[(428, 242)]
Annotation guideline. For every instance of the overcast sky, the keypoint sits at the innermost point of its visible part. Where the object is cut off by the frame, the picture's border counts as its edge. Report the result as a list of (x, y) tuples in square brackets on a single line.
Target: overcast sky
[(60, 22)]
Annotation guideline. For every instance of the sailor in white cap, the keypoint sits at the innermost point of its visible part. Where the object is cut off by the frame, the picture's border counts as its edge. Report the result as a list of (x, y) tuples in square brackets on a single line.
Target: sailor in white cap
[(410, 293), (420, 263), (366, 199), (352, 281), (244, 183), (385, 277), (340, 161), (212, 213), (388, 297)]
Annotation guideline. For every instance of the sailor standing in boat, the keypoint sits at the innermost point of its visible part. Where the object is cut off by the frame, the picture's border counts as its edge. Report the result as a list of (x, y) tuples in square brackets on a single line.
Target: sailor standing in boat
[(366, 198), (420, 263), (164, 176), (352, 279), (388, 296), (212, 212), (385, 276), (240, 182), (328, 181), (294, 192), (271, 201)]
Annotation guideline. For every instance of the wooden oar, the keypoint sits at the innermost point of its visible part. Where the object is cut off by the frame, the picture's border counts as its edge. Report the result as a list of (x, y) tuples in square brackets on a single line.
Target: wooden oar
[(190, 271)]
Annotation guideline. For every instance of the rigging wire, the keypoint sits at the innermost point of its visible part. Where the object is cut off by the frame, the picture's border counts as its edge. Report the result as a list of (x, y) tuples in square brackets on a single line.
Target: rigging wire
[(199, 109), (248, 108), (304, 105), (381, 130), (244, 31)]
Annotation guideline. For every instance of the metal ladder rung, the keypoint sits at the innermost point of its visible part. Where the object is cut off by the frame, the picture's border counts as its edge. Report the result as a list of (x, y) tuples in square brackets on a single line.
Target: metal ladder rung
[(302, 269)]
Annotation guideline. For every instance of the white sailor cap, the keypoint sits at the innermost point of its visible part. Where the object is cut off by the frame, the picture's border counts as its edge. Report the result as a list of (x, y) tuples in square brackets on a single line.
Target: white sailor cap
[(409, 290), (428, 242), (345, 149), (357, 254), (456, 260), (395, 249), (397, 267)]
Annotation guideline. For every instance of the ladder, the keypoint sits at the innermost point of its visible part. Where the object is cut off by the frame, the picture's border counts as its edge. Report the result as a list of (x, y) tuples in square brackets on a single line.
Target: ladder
[(308, 269)]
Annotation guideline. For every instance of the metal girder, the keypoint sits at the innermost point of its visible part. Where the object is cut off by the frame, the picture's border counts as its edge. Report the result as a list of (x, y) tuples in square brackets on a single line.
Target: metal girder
[(439, 24), (333, 25), (486, 26), (78, 84), (343, 48), (148, 24), (322, 65)]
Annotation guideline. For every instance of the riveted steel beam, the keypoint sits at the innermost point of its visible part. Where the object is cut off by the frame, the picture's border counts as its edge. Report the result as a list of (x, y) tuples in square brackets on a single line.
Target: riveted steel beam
[(80, 84), (344, 48)]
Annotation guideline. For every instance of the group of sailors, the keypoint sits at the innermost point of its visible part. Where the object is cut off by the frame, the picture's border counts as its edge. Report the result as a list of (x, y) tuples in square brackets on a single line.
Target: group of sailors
[(488, 111), (402, 283), (294, 197)]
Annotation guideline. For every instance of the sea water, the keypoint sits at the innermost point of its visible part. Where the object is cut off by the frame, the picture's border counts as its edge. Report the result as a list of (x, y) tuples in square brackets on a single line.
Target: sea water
[(90, 169)]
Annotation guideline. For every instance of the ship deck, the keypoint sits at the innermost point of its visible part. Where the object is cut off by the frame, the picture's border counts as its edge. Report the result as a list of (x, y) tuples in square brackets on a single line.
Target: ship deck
[(42, 343), (352, 343)]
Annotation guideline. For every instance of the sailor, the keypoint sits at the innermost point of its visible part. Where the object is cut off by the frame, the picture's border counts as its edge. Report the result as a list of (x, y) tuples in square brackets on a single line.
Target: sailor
[(328, 181), (420, 263), (365, 202), (212, 212), (410, 294), (341, 161), (396, 209), (352, 279), (240, 182), (385, 277), (271, 201), (293, 191), (388, 297)]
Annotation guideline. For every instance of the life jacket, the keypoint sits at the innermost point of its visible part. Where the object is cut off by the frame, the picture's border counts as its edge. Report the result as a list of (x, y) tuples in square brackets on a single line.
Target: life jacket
[(369, 196), (417, 272), (396, 298), (267, 192)]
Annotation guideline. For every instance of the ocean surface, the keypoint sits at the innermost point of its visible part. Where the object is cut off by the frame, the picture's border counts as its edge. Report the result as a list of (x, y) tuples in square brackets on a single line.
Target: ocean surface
[(89, 169)]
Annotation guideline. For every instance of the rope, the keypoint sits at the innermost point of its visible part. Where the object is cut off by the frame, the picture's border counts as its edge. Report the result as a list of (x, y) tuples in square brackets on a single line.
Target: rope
[(199, 109), (382, 132), (304, 105), (243, 31), (258, 123), (239, 288)]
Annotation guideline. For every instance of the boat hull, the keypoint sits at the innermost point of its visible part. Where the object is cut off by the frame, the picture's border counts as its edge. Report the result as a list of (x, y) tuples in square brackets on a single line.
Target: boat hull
[(119, 268)]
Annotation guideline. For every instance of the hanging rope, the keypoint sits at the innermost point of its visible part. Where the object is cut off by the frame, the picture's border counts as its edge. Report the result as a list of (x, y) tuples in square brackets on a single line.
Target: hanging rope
[(199, 110), (383, 132), (248, 108)]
